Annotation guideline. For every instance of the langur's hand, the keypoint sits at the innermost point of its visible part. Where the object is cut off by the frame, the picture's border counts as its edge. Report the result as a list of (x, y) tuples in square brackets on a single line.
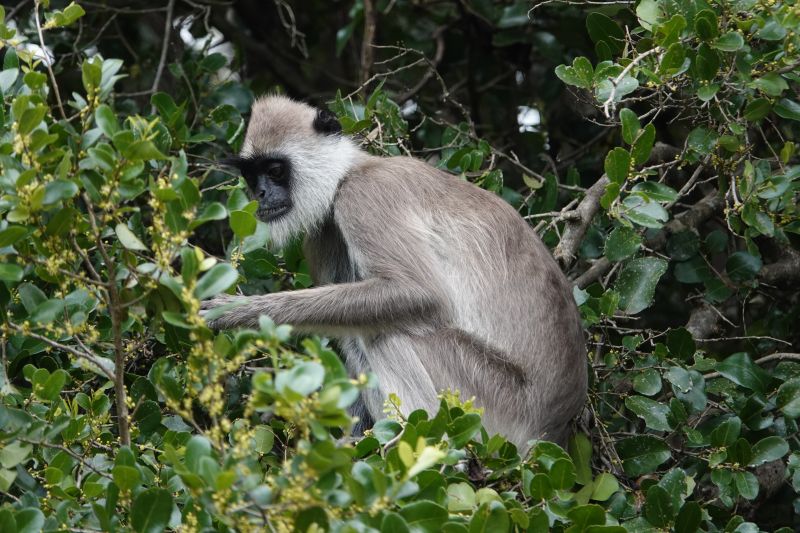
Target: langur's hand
[(220, 311)]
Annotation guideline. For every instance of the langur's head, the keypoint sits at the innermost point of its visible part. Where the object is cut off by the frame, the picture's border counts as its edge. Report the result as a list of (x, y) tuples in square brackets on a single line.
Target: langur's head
[(293, 158)]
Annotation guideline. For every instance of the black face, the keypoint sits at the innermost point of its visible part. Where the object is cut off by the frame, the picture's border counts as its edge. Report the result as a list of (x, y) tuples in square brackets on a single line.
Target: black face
[(269, 181)]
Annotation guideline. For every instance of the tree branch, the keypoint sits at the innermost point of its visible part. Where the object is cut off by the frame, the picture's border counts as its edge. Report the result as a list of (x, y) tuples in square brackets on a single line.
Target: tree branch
[(164, 44), (367, 52), (575, 230), (785, 270), (47, 60)]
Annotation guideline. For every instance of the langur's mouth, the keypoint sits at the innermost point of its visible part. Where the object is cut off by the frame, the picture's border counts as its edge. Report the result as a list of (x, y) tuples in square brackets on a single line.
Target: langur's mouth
[(268, 214)]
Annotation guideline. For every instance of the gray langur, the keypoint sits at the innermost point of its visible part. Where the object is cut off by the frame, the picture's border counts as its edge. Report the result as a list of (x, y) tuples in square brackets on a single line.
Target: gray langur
[(425, 279)]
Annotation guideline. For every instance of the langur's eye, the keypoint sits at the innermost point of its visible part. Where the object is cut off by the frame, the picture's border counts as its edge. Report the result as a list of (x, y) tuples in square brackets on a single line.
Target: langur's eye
[(275, 170)]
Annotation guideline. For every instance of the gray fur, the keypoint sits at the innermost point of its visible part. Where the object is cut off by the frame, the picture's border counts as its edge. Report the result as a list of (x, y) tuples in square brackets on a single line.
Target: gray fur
[(431, 283)]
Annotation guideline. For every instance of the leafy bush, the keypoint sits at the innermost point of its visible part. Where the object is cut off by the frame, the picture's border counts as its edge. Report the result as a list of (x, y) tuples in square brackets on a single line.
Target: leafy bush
[(121, 410)]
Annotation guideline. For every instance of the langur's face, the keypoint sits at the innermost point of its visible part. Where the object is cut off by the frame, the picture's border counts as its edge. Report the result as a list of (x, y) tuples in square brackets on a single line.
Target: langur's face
[(293, 159), (269, 179)]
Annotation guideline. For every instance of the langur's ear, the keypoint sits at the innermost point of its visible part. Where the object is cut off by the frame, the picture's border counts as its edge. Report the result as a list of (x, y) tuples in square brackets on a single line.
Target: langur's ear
[(326, 123)]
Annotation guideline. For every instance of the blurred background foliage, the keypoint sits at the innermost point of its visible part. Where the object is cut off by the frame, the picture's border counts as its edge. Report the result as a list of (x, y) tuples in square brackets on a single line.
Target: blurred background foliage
[(651, 143)]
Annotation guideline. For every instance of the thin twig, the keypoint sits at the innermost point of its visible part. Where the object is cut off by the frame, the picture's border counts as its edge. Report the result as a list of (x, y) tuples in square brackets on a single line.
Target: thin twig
[(367, 52), (616, 81), (64, 348), (164, 44), (47, 60), (115, 308)]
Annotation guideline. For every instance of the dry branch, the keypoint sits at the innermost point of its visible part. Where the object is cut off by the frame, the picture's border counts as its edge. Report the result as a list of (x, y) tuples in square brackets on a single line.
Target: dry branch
[(575, 230)]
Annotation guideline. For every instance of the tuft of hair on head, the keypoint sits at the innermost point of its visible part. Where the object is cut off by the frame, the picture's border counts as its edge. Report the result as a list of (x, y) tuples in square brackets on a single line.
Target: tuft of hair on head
[(326, 123)]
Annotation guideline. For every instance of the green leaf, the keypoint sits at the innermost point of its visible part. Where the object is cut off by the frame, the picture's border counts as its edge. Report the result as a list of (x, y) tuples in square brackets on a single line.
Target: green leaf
[(772, 30), (151, 510), (176, 319), (668, 33), (701, 140), (643, 145), (213, 211), (617, 165), (642, 454), (706, 25), (460, 497), (637, 282), (649, 13), (644, 211), (128, 239), (540, 487), (562, 474), (51, 388), (220, 278), (584, 516), (768, 449), (463, 429), (14, 453), (707, 92), (771, 84), (788, 109), (757, 109), (12, 234), (672, 60), (740, 369), (29, 520), (303, 379), (658, 507), (603, 29), (48, 311), (680, 343), (490, 517), (393, 523), (148, 417), (729, 42), (385, 430), (264, 438), (580, 74), (58, 190), (142, 151), (106, 121), (605, 485), (622, 243), (653, 413), (630, 125), (746, 485), (7, 78), (742, 266), (689, 518), (580, 450), (656, 191), (7, 478), (727, 432), (30, 119), (126, 477), (424, 516), (11, 272), (706, 62), (788, 398), (647, 382), (197, 448), (242, 223)]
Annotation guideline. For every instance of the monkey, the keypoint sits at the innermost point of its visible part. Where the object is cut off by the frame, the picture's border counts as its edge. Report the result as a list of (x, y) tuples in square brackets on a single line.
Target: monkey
[(425, 279)]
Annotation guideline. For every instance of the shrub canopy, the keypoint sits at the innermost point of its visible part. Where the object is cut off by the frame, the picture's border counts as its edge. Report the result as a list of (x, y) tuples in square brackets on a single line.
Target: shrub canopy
[(652, 144)]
